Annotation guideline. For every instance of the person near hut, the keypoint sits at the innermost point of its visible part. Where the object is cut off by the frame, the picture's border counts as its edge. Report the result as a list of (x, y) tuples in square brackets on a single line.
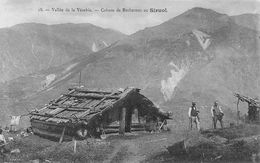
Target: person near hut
[(217, 115), (2, 142), (15, 120), (194, 116), (252, 111)]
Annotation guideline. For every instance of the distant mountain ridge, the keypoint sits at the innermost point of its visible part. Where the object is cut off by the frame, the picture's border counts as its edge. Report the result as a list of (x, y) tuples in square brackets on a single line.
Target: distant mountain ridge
[(248, 20), (30, 47)]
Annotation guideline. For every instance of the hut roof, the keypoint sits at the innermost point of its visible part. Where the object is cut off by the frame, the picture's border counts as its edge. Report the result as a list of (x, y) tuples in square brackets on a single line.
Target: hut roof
[(83, 104)]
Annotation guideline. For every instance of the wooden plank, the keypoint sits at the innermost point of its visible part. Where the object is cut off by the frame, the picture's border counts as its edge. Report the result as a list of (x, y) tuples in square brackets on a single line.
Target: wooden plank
[(73, 108), (87, 102), (53, 102), (50, 116), (89, 91), (122, 121), (113, 130), (59, 98), (58, 127), (119, 101), (82, 114), (133, 125), (55, 111), (128, 120), (162, 125), (92, 96), (102, 100), (75, 145), (45, 133), (62, 134)]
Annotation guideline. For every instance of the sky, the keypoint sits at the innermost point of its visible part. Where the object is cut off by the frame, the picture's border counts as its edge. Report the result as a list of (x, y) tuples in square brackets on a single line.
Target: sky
[(14, 12)]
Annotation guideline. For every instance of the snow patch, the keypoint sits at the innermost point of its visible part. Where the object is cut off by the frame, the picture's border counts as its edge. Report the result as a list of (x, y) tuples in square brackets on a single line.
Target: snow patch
[(203, 38), (63, 78), (94, 47), (49, 78), (188, 42), (168, 86)]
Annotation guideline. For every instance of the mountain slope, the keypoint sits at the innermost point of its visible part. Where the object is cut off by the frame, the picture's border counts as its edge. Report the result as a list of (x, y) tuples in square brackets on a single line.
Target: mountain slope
[(248, 20), (30, 47), (194, 18)]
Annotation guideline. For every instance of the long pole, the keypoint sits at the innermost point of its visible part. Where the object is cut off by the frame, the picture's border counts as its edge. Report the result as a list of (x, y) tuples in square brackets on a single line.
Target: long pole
[(237, 111), (75, 145), (62, 134), (79, 78)]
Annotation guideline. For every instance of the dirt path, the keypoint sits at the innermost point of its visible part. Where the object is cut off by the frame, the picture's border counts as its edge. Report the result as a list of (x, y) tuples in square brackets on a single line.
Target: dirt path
[(125, 151), (134, 154), (112, 155), (141, 147)]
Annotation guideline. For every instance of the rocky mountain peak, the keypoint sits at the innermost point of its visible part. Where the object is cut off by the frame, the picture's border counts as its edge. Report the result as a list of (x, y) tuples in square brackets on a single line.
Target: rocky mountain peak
[(199, 11)]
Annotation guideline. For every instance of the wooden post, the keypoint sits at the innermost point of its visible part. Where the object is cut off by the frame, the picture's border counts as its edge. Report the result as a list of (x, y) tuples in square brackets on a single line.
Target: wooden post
[(162, 125), (75, 145), (62, 135), (122, 121), (135, 116), (138, 116), (237, 111), (128, 120), (79, 78)]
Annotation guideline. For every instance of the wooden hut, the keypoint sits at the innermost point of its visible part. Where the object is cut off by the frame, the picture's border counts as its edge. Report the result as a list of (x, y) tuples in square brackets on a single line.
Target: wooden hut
[(85, 113)]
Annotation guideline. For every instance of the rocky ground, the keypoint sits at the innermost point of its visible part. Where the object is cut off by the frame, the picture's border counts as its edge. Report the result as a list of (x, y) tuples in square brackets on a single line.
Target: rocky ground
[(133, 147)]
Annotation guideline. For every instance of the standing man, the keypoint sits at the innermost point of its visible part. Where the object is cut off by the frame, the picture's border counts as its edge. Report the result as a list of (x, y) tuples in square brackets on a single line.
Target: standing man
[(2, 142), (217, 115), (194, 116), (15, 120)]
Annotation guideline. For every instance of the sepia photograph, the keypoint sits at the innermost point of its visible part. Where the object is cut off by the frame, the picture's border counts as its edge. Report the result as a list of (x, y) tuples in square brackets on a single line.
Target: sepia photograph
[(129, 81)]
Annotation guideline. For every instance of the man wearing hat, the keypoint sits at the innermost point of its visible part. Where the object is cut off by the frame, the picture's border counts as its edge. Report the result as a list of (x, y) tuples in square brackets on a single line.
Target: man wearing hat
[(2, 142), (194, 116), (217, 115)]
